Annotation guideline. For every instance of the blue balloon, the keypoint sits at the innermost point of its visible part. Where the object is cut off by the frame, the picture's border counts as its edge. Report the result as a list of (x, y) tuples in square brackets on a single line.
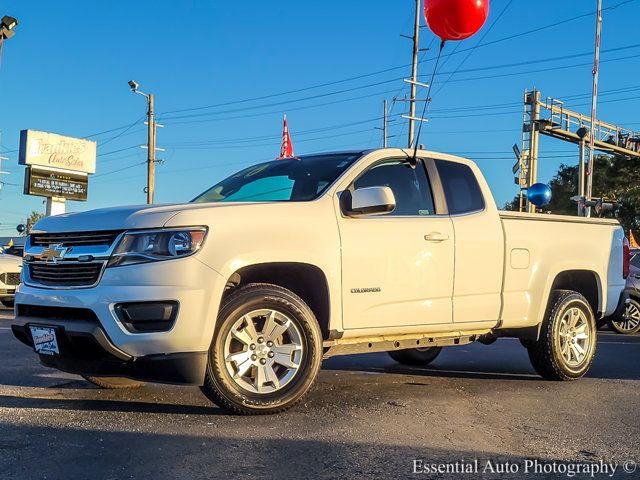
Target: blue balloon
[(539, 194)]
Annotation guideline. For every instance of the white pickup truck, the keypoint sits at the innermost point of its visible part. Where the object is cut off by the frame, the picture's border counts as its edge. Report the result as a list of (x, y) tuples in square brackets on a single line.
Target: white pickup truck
[(243, 290)]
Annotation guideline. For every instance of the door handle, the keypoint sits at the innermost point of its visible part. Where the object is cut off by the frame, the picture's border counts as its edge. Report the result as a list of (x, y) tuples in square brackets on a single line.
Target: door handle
[(436, 237)]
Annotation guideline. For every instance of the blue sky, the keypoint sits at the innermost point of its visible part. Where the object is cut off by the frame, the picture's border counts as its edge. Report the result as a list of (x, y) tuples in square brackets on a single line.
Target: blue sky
[(67, 68)]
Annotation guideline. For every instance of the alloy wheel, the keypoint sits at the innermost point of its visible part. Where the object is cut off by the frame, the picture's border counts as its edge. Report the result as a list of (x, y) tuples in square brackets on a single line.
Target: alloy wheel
[(575, 337), (263, 351), (630, 319)]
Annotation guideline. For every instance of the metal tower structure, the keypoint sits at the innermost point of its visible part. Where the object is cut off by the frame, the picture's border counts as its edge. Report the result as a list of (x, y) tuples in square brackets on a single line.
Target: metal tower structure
[(550, 117)]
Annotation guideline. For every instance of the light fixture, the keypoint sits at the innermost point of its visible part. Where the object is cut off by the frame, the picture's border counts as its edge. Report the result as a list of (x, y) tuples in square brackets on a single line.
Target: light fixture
[(7, 24)]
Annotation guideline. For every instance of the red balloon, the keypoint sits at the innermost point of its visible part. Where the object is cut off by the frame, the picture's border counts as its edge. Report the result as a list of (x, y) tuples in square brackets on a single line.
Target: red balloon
[(455, 19)]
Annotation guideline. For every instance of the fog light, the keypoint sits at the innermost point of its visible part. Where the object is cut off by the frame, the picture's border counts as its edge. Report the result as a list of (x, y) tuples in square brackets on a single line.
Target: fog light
[(147, 316)]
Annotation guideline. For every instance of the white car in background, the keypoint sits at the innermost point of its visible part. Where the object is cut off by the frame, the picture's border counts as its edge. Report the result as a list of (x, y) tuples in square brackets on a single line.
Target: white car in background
[(10, 267)]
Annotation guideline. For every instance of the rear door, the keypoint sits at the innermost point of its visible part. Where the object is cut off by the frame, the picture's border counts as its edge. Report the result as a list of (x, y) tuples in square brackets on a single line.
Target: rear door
[(397, 268), (479, 244)]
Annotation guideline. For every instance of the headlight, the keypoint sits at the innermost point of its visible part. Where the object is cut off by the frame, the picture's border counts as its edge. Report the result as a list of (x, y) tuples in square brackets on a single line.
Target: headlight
[(156, 245)]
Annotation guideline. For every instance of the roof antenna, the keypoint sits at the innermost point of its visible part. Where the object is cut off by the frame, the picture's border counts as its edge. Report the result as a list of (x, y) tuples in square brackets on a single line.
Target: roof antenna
[(416, 141)]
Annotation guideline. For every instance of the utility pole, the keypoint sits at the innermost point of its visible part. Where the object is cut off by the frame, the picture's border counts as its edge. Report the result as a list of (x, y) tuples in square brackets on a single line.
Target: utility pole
[(151, 151), (582, 133), (1, 159), (533, 158), (414, 75), (594, 98), (384, 126), (151, 141), (528, 163)]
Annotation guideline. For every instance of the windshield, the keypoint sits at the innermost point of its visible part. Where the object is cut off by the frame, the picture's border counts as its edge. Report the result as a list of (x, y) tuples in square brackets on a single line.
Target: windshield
[(295, 179)]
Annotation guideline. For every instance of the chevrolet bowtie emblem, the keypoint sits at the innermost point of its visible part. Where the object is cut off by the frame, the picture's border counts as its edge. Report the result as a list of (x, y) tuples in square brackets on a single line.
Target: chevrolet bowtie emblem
[(54, 253)]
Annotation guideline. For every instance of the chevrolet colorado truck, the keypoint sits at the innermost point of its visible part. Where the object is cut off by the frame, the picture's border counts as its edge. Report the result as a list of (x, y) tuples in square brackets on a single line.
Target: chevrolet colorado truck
[(246, 288)]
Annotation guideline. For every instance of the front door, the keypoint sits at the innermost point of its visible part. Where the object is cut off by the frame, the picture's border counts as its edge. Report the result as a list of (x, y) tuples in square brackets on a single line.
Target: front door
[(397, 268)]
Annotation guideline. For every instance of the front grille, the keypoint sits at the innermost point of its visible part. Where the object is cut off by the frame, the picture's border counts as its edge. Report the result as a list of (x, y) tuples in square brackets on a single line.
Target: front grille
[(106, 237), (66, 275), (10, 278)]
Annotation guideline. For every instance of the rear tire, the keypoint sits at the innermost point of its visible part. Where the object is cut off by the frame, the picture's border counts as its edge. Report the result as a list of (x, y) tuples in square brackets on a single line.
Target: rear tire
[(567, 343), (266, 351), (112, 383), (629, 321), (416, 356), (8, 303)]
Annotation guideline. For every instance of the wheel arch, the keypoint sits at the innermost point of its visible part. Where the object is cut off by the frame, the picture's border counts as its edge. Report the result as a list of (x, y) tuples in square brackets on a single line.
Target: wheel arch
[(585, 282), (306, 280)]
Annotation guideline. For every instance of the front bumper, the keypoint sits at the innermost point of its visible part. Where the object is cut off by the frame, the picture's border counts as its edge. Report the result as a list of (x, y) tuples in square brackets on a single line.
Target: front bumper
[(85, 349), (195, 287)]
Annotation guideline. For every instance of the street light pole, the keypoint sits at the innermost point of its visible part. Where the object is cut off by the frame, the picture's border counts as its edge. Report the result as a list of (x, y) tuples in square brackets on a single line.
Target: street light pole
[(151, 140), (594, 98), (151, 150)]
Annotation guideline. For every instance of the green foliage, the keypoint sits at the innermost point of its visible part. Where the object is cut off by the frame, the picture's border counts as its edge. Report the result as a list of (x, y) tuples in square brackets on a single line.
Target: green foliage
[(615, 179), (31, 221)]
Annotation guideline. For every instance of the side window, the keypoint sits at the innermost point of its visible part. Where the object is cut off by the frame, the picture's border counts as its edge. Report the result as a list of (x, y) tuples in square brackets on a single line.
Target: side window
[(410, 186), (461, 188)]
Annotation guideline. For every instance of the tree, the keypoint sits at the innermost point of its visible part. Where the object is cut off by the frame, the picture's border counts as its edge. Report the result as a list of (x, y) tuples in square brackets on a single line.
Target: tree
[(31, 221), (616, 179)]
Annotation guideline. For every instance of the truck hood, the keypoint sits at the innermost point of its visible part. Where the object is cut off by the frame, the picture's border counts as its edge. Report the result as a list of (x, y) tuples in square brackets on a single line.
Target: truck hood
[(119, 218)]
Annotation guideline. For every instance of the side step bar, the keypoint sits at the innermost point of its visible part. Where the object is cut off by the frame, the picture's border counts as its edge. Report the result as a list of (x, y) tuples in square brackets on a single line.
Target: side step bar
[(348, 346)]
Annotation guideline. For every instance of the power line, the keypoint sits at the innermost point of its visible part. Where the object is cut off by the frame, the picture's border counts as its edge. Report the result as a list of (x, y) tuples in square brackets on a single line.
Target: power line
[(473, 49), (117, 151), (350, 99), (118, 170), (122, 132), (386, 70)]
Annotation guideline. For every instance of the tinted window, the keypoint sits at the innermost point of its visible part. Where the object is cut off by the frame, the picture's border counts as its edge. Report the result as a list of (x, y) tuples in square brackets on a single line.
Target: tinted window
[(290, 179), (409, 185), (461, 188)]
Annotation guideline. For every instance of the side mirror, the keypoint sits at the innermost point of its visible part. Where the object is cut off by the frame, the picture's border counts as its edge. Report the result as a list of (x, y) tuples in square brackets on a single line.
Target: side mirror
[(371, 200)]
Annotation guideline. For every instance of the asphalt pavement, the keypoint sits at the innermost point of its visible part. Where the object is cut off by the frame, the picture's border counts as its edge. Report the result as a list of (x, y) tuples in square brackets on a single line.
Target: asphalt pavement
[(367, 417)]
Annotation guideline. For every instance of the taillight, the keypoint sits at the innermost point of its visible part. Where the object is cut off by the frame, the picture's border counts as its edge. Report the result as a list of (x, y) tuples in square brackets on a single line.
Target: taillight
[(626, 257)]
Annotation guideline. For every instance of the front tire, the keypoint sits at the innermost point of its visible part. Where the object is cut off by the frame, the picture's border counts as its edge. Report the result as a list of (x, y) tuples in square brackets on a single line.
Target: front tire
[(567, 343), (629, 321), (266, 351), (112, 383), (416, 356)]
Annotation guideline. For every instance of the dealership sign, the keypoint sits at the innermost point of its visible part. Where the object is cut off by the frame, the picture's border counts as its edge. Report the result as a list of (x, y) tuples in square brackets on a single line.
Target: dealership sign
[(49, 183), (57, 151)]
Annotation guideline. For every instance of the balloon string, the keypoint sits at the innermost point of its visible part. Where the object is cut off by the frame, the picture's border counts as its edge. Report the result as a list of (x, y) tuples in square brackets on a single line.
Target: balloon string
[(427, 100)]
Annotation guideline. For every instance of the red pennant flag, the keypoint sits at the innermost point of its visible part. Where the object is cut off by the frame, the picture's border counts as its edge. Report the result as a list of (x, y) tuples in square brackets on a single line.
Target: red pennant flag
[(633, 243), (286, 149)]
